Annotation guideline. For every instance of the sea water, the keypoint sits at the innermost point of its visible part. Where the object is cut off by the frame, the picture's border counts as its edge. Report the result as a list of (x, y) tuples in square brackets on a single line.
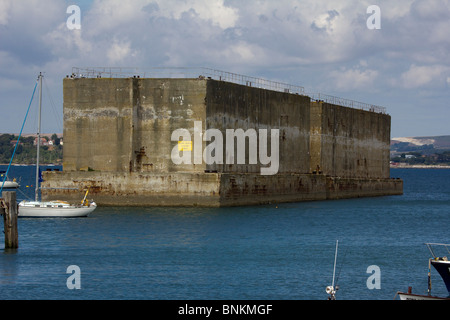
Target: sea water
[(273, 252)]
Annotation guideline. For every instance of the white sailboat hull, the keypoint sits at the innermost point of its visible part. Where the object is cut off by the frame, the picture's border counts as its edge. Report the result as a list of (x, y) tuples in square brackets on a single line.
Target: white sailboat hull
[(10, 185), (53, 209)]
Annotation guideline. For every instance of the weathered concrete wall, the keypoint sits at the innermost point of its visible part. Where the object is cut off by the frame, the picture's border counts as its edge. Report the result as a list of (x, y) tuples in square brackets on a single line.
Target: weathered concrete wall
[(134, 189), (97, 124), (342, 188), (233, 106), (349, 143), (125, 125), (118, 142), (161, 107), (209, 190)]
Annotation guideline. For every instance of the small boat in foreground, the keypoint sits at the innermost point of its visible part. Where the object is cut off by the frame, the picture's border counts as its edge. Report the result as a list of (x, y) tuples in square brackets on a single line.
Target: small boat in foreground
[(8, 184), (442, 266), (55, 208)]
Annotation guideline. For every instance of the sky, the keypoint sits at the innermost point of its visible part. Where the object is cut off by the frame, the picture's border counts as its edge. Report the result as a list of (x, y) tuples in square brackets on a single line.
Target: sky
[(324, 46)]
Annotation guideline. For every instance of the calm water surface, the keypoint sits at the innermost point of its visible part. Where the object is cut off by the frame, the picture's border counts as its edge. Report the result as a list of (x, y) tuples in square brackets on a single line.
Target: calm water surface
[(268, 252)]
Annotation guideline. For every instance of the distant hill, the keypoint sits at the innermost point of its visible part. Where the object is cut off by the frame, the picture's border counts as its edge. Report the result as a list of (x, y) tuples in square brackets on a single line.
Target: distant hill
[(439, 142), (426, 151), (424, 145)]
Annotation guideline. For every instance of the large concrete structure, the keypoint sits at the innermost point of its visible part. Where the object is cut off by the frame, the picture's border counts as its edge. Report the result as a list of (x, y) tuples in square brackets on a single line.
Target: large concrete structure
[(123, 139)]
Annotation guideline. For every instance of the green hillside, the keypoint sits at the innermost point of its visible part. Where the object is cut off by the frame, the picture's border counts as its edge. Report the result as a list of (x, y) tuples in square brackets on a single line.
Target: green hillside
[(51, 151)]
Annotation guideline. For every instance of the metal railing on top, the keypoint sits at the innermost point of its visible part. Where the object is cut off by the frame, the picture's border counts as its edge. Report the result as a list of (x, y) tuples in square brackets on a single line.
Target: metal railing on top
[(201, 72), (346, 102), (102, 72)]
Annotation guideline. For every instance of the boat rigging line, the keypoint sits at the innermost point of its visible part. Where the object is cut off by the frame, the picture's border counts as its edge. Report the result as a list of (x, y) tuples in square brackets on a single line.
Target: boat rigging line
[(52, 104), (20, 134)]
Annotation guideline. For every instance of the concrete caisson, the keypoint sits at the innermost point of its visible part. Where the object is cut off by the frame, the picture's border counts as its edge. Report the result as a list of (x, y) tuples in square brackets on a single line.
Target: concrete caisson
[(121, 135)]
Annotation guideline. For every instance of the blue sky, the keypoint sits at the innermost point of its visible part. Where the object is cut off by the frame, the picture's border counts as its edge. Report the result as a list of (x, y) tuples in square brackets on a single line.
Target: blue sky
[(324, 46)]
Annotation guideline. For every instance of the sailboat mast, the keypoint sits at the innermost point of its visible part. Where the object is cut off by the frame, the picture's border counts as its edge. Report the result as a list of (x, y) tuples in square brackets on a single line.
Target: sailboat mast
[(38, 138)]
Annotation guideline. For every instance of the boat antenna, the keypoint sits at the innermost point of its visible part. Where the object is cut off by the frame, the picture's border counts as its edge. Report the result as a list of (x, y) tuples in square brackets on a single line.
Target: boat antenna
[(331, 290)]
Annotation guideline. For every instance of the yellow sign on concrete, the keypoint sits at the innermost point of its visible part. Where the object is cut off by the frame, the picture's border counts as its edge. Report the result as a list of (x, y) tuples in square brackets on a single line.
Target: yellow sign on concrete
[(184, 145)]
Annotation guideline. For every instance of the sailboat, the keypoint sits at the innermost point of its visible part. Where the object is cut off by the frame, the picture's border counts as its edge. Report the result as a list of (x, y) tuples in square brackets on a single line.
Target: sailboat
[(7, 184), (55, 208)]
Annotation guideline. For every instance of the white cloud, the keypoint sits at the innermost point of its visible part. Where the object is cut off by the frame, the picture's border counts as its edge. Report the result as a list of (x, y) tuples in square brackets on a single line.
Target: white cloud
[(393, 10), (34, 15), (430, 9), (5, 7), (354, 78), (112, 14), (326, 21), (439, 33), (323, 44), (277, 32), (65, 43), (214, 11), (292, 31), (119, 51), (106, 16), (420, 76)]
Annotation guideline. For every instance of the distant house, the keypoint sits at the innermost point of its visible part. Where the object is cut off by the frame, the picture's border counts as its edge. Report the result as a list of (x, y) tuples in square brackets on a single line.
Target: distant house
[(14, 142), (44, 142)]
